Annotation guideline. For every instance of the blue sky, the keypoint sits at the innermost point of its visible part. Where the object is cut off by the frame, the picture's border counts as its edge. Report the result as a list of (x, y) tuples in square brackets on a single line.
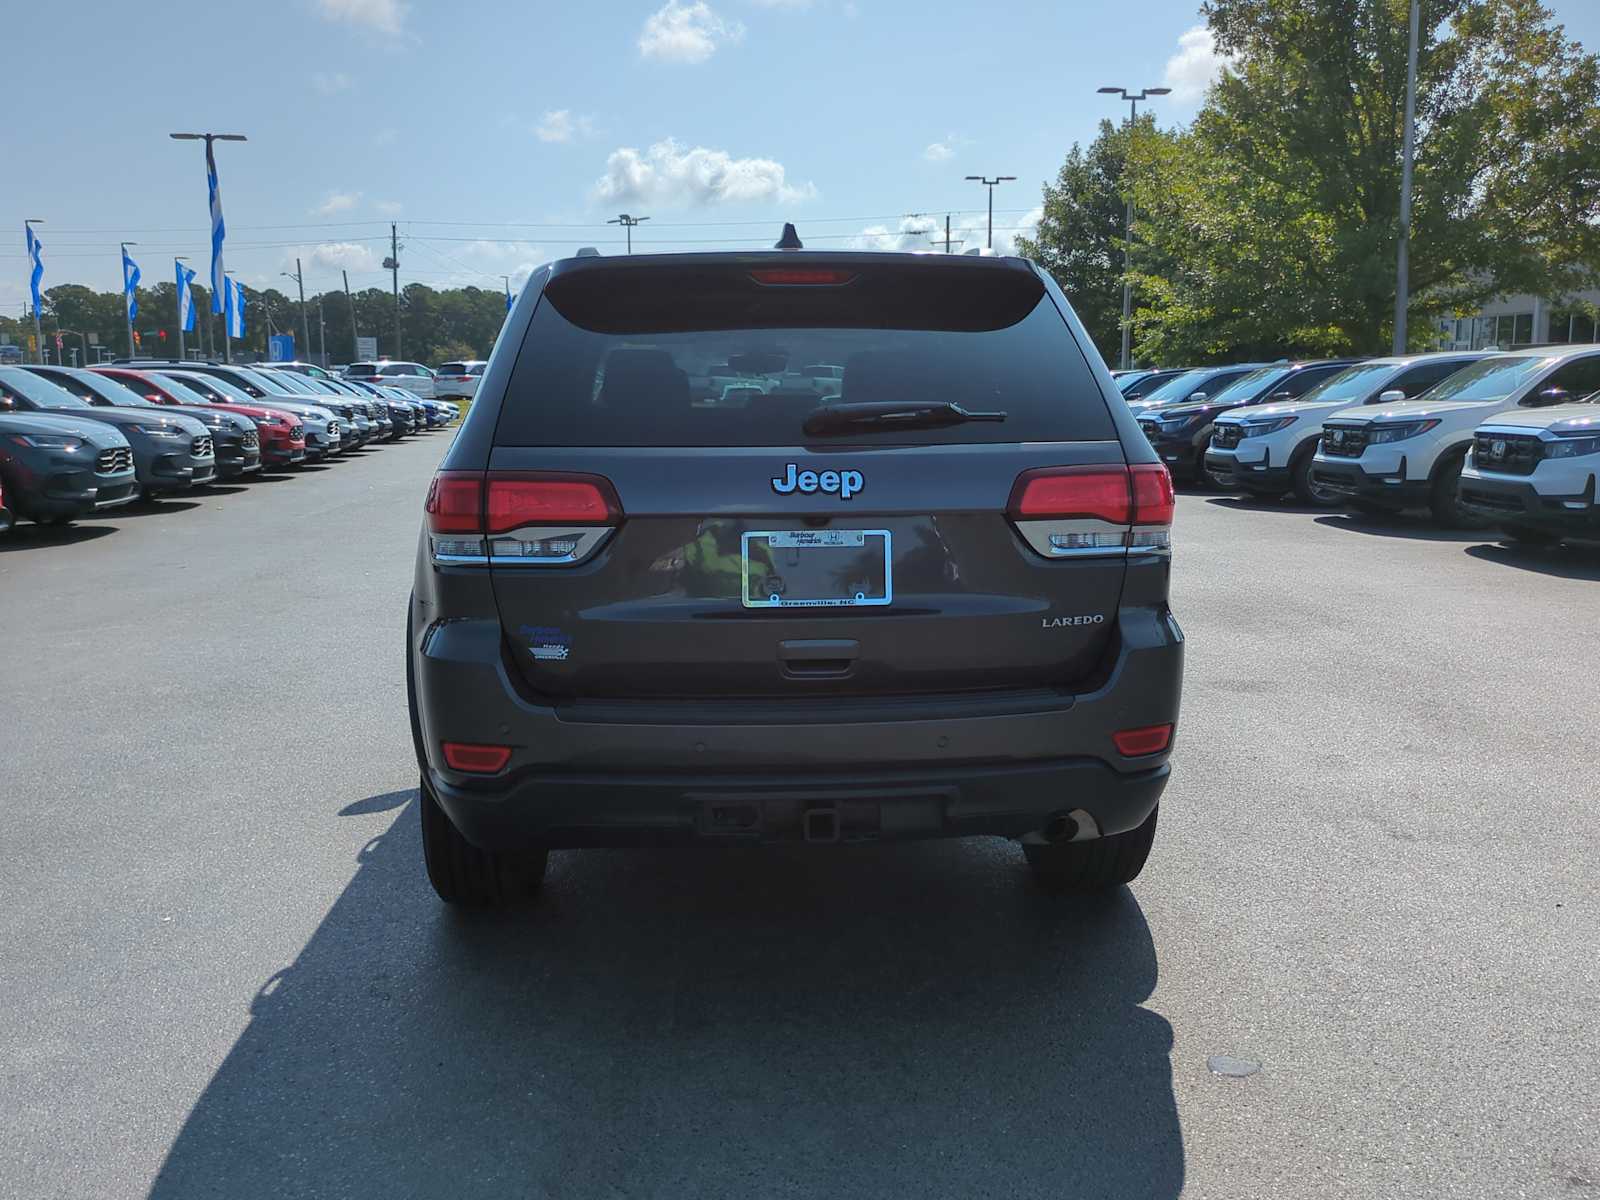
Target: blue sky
[(502, 133)]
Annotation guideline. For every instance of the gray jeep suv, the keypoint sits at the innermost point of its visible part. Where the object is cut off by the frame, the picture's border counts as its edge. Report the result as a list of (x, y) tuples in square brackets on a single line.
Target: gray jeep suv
[(678, 583)]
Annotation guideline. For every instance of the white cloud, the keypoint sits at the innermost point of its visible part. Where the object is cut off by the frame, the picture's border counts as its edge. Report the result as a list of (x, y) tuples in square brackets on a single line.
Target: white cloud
[(668, 173), (968, 231), (388, 208), (938, 152), (337, 202), (380, 16), (559, 125), (328, 84), (345, 256), (1195, 66), (795, 4), (686, 33)]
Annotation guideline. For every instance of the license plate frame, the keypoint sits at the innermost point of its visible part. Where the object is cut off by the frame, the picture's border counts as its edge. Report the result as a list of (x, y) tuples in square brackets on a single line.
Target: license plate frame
[(756, 587)]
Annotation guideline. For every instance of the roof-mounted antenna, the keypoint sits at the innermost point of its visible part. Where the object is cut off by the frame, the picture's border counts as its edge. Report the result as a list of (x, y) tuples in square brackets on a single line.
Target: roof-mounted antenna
[(790, 239)]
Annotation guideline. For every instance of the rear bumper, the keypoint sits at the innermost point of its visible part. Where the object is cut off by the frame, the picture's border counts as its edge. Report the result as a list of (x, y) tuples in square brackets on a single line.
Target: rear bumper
[(596, 774), (1389, 489)]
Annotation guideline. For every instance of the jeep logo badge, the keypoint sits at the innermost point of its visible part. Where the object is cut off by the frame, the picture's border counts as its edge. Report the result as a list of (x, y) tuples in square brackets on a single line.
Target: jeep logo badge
[(844, 484)]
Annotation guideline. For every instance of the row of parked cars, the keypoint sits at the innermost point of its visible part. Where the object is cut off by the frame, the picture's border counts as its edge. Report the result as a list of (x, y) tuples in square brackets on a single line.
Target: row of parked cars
[(1472, 438), (75, 441)]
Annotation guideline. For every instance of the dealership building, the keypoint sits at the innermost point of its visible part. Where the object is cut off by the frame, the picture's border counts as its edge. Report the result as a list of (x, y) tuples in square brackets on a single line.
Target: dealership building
[(1512, 321)]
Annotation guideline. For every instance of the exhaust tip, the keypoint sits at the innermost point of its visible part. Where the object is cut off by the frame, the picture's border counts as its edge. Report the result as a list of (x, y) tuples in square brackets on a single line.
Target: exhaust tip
[(1060, 828)]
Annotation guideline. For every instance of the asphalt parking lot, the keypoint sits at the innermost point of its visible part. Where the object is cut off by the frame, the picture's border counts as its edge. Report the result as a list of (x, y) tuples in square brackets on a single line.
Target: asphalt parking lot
[(225, 974)]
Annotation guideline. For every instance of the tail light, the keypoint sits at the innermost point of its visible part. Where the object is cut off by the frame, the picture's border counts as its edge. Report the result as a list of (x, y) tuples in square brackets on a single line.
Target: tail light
[(1069, 512), (519, 518)]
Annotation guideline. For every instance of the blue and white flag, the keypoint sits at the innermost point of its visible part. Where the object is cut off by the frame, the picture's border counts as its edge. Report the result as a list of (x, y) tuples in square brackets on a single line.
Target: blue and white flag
[(34, 247), (509, 300), (130, 285), (232, 308), (218, 233), (185, 298)]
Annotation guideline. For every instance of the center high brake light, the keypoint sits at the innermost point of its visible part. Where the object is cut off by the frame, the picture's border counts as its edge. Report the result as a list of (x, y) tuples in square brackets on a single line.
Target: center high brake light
[(1068, 512), (801, 276), (519, 518)]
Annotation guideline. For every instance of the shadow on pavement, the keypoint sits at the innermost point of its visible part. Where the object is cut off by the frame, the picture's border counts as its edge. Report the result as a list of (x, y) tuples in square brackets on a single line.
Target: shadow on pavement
[(876, 1022), (1262, 504), (1562, 562), (151, 507), (25, 535), (1414, 529)]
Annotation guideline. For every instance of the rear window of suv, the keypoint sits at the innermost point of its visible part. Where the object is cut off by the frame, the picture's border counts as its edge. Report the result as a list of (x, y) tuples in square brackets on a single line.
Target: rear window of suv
[(705, 355)]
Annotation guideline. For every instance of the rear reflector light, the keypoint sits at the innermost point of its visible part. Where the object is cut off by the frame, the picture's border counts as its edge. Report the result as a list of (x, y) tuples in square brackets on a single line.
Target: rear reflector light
[(532, 518), (1149, 739), (475, 759), (801, 277)]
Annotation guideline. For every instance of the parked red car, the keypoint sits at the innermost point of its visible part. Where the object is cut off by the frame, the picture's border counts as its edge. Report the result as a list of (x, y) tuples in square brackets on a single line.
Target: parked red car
[(283, 439)]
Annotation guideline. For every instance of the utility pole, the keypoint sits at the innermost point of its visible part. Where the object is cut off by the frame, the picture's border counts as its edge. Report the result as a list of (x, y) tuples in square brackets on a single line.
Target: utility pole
[(1402, 293), (991, 185), (355, 334), (628, 223), (322, 335), (392, 263), (947, 233), (1127, 216), (299, 277)]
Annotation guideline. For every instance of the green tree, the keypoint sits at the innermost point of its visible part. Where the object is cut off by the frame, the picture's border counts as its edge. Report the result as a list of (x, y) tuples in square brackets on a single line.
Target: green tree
[(1080, 236), (1272, 222)]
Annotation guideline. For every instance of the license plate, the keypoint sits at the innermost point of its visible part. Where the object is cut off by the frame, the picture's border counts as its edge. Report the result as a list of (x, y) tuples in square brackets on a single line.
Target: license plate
[(816, 568)]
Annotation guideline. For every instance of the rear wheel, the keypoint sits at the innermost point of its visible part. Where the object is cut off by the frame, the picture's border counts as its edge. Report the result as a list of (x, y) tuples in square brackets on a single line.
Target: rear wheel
[(465, 875), (1527, 535), (1306, 489), (1444, 497), (1098, 865)]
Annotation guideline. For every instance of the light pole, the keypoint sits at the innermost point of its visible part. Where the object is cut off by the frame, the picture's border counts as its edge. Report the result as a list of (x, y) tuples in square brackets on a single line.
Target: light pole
[(1127, 217), (305, 326), (628, 223), (38, 331), (991, 184), (1402, 293), (127, 300)]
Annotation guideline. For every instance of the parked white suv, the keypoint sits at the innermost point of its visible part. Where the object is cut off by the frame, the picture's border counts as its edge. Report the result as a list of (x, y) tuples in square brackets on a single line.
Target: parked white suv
[(1400, 456), (458, 379), (1267, 450), (413, 376), (1533, 472)]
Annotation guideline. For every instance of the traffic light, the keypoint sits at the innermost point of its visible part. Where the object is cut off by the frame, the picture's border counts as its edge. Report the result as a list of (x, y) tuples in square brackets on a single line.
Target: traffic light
[(162, 334)]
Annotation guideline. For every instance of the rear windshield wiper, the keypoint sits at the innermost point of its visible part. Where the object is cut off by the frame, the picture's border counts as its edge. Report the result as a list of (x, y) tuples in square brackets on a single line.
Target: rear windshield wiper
[(842, 418)]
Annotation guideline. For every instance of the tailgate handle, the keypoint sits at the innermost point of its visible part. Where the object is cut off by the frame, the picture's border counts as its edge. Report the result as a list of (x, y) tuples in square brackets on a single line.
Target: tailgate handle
[(819, 656)]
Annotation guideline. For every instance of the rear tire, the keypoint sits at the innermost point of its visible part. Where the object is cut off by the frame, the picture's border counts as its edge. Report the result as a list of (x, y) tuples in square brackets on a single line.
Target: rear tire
[(1098, 865), (469, 877), (1305, 489), (1527, 535)]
